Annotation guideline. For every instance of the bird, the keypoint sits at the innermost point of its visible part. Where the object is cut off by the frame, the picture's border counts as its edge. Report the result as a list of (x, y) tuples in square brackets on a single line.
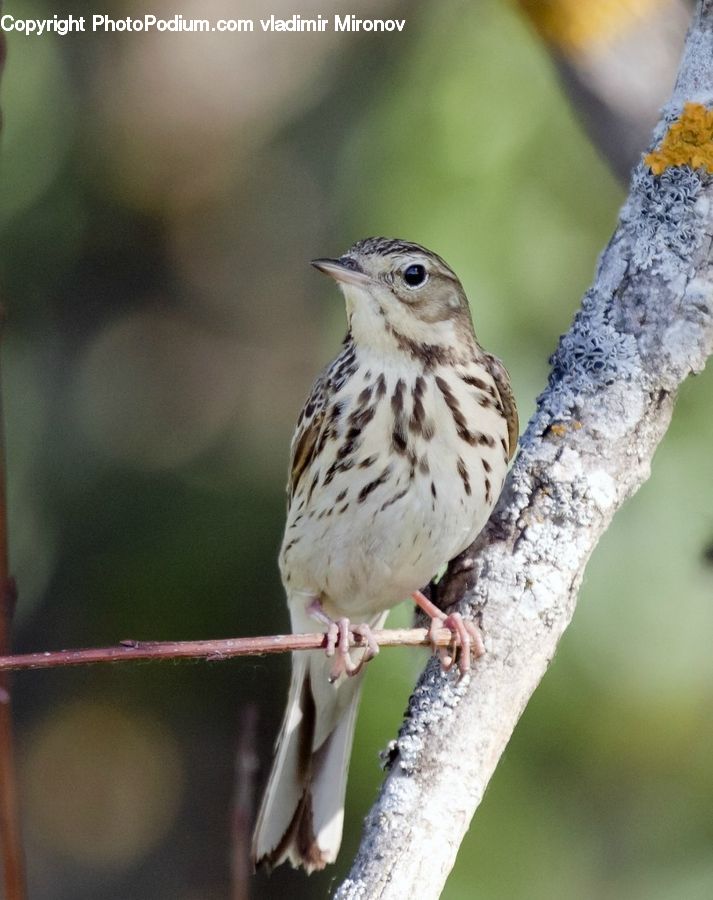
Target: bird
[(399, 455)]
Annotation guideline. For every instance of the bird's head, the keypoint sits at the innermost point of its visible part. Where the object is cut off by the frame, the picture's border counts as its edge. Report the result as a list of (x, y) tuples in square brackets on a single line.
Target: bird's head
[(400, 294)]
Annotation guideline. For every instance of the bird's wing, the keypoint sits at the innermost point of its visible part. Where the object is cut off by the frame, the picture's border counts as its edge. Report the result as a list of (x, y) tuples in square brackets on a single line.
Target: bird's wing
[(507, 398), (310, 424)]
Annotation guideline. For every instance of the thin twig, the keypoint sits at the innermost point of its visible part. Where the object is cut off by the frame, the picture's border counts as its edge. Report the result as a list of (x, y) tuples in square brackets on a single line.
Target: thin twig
[(10, 830), (246, 768), (226, 648)]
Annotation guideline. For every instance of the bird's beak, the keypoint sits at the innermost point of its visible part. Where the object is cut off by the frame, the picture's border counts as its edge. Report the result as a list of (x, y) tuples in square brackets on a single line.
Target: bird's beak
[(344, 270)]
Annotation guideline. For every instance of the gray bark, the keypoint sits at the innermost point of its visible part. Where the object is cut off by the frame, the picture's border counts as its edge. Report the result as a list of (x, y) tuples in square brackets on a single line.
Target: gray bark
[(643, 327)]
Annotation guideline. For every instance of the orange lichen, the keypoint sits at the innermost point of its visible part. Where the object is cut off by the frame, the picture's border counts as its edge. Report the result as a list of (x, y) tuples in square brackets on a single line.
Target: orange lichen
[(688, 142), (560, 429), (575, 25)]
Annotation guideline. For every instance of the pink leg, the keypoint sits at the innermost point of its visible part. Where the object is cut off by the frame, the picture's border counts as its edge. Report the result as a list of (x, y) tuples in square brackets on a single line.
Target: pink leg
[(338, 639), (467, 633)]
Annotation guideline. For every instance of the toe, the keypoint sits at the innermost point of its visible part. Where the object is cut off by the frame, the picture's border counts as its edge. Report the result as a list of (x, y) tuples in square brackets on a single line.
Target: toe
[(478, 647), (371, 646), (343, 630), (331, 635), (456, 624), (467, 641)]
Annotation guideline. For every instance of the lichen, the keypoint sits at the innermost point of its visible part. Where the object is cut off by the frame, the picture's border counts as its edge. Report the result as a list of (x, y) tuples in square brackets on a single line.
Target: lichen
[(663, 214), (592, 354), (432, 701), (593, 350), (687, 142)]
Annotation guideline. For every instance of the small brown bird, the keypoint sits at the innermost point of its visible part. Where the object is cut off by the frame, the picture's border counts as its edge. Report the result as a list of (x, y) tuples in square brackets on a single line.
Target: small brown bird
[(399, 455)]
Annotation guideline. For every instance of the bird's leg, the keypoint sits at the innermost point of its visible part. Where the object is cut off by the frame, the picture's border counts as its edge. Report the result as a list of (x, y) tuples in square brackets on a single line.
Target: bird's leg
[(338, 641), (467, 633)]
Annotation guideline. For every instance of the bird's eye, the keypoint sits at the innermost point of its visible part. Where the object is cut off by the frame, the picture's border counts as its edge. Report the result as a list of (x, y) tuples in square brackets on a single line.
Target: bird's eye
[(415, 275)]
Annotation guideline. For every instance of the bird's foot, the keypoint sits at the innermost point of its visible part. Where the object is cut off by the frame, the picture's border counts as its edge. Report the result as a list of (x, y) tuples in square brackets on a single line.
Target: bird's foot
[(338, 646), (338, 641), (467, 639)]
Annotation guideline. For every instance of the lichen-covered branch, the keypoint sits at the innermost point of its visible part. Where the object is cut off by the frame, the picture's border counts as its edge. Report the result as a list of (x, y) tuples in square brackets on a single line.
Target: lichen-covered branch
[(643, 327)]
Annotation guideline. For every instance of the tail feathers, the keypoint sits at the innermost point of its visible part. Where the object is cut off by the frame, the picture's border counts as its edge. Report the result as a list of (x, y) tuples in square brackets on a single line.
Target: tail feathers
[(303, 809)]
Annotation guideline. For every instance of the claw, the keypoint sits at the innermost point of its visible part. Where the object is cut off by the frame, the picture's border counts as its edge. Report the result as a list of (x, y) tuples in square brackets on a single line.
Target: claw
[(344, 664), (444, 657), (467, 639), (371, 648), (367, 635), (338, 640)]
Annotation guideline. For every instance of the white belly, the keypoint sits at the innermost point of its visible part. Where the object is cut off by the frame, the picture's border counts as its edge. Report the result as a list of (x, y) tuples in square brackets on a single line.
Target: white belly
[(403, 515)]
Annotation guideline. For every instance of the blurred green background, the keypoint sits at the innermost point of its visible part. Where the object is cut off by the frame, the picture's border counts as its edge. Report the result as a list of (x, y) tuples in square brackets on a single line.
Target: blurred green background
[(160, 198)]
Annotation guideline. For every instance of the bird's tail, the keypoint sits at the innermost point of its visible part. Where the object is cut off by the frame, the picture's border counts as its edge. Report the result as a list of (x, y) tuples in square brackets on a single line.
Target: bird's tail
[(302, 811)]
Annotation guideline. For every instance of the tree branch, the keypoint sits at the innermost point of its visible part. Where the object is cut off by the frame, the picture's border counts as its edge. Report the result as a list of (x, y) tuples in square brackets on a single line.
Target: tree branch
[(644, 326), (13, 860)]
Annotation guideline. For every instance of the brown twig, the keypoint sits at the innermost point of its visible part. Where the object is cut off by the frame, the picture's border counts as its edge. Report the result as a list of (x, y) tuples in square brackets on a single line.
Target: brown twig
[(10, 830), (225, 648), (246, 769)]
